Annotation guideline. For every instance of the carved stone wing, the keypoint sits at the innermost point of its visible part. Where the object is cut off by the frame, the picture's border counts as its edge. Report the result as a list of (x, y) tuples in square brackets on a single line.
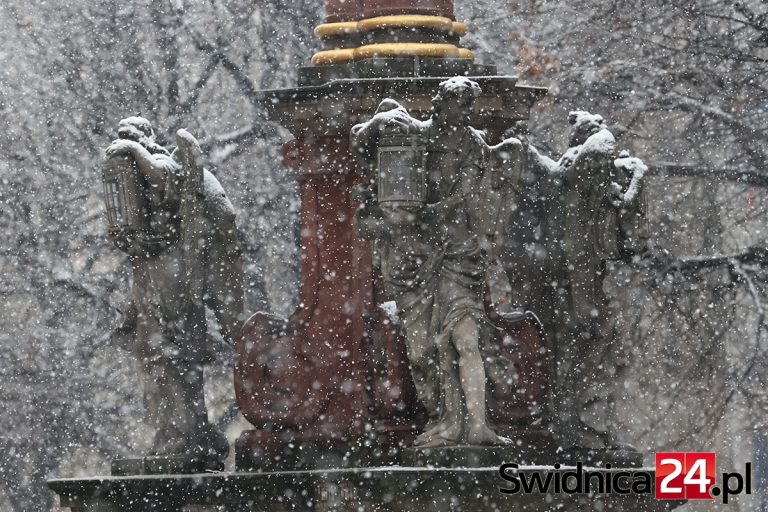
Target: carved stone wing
[(193, 231), (501, 185), (212, 252), (189, 155)]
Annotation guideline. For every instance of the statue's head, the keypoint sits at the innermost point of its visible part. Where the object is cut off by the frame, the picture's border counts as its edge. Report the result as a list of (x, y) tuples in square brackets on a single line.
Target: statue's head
[(584, 125), (136, 129), (140, 130), (387, 105), (453, 102)]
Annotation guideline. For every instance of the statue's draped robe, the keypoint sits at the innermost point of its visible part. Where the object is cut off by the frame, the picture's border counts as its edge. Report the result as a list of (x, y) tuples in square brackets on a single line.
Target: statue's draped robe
[(434, 271), (154, 326), (588, 227)]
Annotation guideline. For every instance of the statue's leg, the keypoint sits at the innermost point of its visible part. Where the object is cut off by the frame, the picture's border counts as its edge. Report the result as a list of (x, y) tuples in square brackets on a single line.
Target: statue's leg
[(570, 312), (445, 427), (581, 353), (182, 419), (162, 393), (604, 374), (570, 389), (449, 430), (465, 338), (205, 440)]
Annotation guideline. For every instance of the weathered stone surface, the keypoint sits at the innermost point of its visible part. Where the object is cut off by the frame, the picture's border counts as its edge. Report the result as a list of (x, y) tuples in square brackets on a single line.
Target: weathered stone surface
[(164, 465), (394, 488), (476, 456)]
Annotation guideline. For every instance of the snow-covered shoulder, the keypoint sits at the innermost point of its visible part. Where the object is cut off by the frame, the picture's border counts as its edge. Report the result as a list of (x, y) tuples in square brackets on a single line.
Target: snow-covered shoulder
[(600, 142), (543, 161)]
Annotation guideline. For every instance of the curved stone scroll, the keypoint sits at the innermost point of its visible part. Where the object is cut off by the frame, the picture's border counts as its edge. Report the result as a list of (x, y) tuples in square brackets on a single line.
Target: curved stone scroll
[(279, 380), (524, 345)]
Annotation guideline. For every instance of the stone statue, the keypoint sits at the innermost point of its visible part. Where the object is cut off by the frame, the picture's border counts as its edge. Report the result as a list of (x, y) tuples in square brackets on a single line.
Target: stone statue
[(423, 211), (593, 212), (174, 220)]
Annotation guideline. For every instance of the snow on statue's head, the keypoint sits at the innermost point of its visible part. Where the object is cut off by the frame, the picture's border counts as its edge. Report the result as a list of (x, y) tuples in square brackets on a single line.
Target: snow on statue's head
[(584, 125), (135, 128), (139, 129), (458, 90), (387, 105)]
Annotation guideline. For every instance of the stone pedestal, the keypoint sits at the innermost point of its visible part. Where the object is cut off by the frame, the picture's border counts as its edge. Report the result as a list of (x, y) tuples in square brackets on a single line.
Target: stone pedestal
[(541, 452), (164, 465), (380, 489)]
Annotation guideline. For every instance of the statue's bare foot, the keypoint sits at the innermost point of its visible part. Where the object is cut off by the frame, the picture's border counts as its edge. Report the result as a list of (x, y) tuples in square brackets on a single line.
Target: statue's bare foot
[(437, 442), (483, 435), (446, 425), (442, 434)]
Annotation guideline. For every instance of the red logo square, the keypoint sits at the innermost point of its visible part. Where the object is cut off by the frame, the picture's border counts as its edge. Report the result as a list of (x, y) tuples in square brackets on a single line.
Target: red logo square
[(685, 475)]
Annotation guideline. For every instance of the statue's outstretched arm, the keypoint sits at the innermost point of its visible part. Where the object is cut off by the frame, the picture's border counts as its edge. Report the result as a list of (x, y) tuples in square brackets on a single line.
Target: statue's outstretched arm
[(636, 169)]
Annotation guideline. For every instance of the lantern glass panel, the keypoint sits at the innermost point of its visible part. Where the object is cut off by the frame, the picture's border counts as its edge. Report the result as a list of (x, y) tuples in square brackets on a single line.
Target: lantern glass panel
[(402, 176), (124, 194)]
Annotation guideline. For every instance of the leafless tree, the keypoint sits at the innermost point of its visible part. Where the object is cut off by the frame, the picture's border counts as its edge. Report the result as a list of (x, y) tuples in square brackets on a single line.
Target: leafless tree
[(682, 83)]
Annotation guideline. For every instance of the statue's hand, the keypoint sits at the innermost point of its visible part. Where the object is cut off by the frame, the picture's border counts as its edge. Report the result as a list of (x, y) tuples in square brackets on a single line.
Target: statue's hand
[(397, 118), (121, 147), (437, 212), (616, 194)]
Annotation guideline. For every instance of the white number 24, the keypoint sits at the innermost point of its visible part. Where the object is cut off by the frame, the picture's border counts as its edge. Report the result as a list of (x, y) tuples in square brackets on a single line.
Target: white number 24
[(699, 467)]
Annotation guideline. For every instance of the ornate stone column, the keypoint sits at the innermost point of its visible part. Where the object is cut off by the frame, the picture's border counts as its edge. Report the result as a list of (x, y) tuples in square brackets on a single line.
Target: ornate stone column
[(330, 385)]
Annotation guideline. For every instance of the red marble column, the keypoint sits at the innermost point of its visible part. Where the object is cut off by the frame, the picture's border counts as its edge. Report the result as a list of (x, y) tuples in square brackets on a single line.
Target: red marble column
[(343, 10), (352, 10), (373, 8), (305, 378)]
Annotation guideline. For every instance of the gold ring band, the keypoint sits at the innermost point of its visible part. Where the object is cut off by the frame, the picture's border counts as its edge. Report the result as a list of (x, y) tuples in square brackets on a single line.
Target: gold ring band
[(336, 29), (328, 57), (389, 22), (385, 50), (390, 50), (406, 21)]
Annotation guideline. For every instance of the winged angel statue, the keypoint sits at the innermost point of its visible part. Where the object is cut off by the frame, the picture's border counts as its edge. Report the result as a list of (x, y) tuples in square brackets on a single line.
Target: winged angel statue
[(431, 209), (175, 222)]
